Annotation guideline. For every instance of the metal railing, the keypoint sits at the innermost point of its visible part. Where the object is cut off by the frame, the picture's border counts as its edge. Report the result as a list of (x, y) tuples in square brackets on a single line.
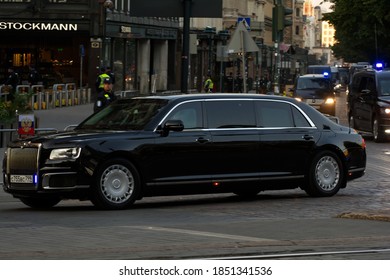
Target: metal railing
[(41, 98)]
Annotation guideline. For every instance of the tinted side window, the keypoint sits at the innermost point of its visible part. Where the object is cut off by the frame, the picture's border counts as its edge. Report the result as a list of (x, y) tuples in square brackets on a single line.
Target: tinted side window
[(355, 84), (371, 85), (299, 119), (384, 87), (279, 114), (189, 113), (230, 113)]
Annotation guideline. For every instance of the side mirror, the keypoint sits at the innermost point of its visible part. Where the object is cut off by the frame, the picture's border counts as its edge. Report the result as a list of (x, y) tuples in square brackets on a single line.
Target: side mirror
[(172, 125)]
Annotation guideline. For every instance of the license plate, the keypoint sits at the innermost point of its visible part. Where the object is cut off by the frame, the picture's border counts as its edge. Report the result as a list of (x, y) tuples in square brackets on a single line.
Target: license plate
[(312, 101), (21, 179)]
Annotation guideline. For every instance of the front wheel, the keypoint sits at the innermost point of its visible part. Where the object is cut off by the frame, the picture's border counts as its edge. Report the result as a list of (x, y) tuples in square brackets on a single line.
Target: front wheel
[(117, 185), (326, 175)]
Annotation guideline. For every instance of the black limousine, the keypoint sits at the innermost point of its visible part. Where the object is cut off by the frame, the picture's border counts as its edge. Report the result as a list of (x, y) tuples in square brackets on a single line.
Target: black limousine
[(186, 144)]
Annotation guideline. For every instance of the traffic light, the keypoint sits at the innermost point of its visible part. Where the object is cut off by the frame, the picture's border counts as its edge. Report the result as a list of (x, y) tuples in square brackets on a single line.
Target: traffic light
[(275, 24), (279, 21), (286, 12)]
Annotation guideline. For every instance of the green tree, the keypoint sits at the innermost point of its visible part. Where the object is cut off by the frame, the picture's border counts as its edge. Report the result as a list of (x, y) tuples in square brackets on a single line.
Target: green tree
[(362, 29)]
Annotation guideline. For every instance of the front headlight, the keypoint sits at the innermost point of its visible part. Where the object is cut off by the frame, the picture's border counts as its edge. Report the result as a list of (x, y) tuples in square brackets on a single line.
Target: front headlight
[(65, 153), (329, 101)]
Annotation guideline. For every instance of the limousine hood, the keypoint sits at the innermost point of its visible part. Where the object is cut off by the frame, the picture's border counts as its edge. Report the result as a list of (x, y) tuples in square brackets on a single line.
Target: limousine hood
[(73, 137)]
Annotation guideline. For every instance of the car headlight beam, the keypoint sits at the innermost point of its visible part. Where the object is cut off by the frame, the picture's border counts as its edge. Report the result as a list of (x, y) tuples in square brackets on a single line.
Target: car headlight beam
[(329, 101), (65, 153)]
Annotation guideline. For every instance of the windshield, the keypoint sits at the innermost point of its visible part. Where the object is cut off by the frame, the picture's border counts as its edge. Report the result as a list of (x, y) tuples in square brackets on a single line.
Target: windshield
[(133, 114), (384, 87), (312, 83)]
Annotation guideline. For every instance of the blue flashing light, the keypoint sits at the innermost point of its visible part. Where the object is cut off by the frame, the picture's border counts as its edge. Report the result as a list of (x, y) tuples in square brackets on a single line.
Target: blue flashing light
[(379, 66), (326, 74), (35, 178)]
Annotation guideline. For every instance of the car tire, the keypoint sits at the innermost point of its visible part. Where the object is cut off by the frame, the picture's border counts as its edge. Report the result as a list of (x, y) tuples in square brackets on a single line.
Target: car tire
[(117, 185), (378, 135), (40, 203), (326, 175)]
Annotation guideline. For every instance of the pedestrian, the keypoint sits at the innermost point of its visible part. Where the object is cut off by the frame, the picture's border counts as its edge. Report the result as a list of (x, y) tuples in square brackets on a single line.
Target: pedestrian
[(33, 76), (106, 96), (12, 81), (99, 84), (208, 84), (111, 74)]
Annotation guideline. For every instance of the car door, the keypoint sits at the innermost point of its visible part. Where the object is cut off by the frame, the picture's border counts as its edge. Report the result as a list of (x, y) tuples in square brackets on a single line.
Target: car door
[(182, 156), (287, 139), (365, 103), (235, 139)]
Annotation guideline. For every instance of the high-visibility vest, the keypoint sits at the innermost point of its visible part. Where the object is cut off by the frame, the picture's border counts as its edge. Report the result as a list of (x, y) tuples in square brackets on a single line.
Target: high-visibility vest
[(209, 84), (102, 77)]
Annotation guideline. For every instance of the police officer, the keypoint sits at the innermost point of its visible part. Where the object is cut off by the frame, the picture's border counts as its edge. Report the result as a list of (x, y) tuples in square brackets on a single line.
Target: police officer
[(105, 96), (111, 74), (100, 80), (208, 84)]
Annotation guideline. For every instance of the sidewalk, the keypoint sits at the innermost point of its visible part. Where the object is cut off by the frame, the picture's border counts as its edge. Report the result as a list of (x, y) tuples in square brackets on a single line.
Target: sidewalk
[(59, 118)]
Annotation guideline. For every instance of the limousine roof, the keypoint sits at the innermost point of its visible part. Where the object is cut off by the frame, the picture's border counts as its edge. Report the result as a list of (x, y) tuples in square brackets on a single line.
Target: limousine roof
[(319, 119)]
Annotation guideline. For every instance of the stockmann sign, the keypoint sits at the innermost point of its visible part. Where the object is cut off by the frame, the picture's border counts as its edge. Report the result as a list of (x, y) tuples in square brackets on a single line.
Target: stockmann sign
[(37, 26)]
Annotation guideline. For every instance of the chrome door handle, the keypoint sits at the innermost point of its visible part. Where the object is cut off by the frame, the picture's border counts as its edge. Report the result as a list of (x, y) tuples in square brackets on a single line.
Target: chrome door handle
[(307, 137)]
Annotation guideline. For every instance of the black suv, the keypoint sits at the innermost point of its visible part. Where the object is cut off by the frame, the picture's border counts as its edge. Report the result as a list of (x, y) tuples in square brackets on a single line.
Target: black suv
[(317, 91), (368, 102)]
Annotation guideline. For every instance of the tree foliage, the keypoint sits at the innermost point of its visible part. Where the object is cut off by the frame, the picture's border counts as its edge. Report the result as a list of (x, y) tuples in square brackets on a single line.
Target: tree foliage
[(362, 29)]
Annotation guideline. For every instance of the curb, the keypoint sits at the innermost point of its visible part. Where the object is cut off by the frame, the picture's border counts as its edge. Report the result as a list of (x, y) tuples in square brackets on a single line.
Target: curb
[(376, 216)]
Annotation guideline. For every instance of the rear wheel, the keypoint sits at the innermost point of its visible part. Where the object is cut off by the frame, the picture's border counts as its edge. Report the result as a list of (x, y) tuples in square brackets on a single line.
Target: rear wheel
[(326, 175), (40, 203), (117, 185)]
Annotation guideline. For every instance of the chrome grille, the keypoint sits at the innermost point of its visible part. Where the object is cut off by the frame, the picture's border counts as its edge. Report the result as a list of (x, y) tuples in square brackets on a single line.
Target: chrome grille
[(22, 160)]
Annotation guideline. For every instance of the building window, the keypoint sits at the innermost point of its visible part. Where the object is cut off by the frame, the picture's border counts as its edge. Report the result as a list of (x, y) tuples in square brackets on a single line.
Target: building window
[(297, 12), (297, 30)]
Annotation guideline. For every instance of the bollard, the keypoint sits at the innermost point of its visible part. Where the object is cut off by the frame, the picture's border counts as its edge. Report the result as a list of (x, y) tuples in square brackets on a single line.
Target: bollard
[(70, 89), (58, 94), (37, 97)]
